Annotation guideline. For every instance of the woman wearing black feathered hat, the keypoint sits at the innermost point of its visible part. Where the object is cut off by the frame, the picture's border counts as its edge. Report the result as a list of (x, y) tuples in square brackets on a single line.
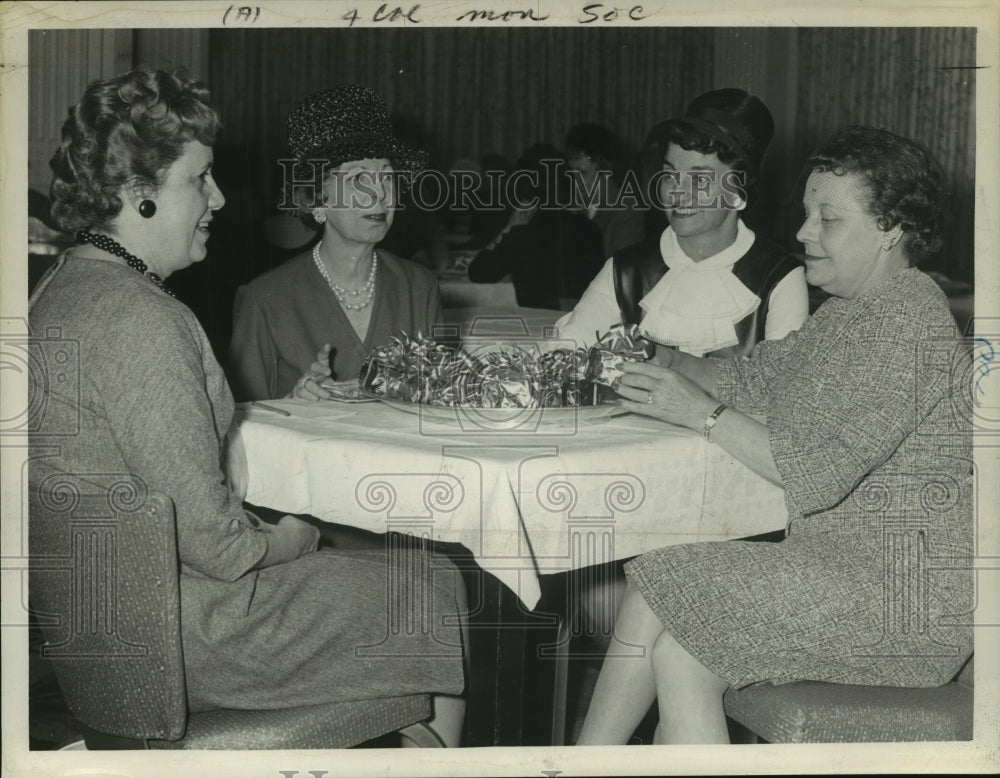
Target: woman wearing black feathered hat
[(323, 311)]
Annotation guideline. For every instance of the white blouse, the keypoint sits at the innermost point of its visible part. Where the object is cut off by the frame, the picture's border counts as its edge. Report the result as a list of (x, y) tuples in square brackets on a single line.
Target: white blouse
[(695, 306)]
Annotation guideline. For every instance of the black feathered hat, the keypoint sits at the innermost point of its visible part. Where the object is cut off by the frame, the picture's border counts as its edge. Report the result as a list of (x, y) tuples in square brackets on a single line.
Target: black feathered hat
[(348, 123)]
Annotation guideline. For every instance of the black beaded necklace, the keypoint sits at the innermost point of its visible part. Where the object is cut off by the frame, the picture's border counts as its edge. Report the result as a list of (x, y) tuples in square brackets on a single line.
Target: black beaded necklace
[(104, 243)]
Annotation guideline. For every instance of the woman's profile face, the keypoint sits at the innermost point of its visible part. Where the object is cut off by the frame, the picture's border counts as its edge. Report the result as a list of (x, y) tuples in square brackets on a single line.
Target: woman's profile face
[(842, 240), (698, 191), (360, 199), (185, 202)]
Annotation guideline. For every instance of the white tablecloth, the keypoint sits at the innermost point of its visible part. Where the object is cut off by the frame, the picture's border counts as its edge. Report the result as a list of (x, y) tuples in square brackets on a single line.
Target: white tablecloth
[(557, 496)]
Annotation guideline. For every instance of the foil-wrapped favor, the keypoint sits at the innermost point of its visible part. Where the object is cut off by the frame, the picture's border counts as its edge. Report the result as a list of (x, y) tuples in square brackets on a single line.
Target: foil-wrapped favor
[(509, 379), (606, 367), (515, 393), (628, 341), (418, 370), (562, 370), (551, 395), (619, 345), (398, 370)]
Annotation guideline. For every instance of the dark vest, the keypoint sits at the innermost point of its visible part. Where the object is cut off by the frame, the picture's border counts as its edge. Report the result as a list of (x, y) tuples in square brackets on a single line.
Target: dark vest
[(638, 268)]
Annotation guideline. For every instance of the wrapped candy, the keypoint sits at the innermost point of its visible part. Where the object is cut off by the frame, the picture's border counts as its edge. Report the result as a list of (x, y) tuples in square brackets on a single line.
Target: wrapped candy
[(407, 369), (619, 345), (419, 370), (565, 382), (508, 379)]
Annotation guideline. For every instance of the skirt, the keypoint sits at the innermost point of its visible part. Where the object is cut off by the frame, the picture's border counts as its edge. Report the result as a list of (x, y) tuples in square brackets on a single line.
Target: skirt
[(332, 626), (812, 607)]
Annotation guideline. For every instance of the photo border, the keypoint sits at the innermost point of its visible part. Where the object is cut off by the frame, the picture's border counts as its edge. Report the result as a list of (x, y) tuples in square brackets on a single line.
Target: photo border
[(979, 755)]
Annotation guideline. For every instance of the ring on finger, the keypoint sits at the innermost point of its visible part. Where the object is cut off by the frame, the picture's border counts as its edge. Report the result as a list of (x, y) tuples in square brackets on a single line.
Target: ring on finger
[(649, 398)]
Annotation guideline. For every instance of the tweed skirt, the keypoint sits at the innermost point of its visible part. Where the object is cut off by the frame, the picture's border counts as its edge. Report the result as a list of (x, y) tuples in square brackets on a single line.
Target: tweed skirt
[(812, 607), (332, 626)]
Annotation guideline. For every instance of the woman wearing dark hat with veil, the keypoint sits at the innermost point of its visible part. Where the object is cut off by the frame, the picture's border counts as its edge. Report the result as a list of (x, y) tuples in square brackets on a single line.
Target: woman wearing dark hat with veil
[(707, 285), (323, 311)]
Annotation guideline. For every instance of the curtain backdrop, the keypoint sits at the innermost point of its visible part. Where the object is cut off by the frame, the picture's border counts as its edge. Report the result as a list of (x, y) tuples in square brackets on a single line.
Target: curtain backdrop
[(472, 91), (467, 92), (62, 63), (917, 82)]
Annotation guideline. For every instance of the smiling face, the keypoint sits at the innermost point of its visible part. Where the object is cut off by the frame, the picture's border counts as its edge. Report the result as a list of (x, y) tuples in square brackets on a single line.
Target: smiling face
[(360, 199), (845, 250), (185, 201), (696, 190)]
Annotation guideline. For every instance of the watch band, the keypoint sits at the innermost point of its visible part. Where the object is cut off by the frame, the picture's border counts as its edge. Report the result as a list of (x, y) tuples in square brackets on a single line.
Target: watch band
[(710, 422)]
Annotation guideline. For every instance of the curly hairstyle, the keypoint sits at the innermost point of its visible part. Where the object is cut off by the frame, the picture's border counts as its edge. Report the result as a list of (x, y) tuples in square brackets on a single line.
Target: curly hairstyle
[(687, 137), (125, 130), (903, 180)]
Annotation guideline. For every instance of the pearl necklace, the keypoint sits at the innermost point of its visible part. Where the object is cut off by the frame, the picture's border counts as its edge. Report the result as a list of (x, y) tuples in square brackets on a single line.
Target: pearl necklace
[(104, 243), (342, 293)]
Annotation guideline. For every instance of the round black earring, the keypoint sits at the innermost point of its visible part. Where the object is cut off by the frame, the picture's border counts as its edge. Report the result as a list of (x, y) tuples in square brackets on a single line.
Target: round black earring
[(147, 208)]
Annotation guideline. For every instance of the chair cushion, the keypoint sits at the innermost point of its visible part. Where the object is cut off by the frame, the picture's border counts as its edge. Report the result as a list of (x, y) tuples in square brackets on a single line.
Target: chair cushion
[(111, 620), (339, 725), (814, 712)]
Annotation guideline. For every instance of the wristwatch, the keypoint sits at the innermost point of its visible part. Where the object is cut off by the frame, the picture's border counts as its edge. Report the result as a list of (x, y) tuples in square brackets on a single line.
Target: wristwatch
[(711, 421)]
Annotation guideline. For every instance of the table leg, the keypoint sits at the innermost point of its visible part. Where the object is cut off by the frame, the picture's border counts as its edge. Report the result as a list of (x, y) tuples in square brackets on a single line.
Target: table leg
[(510, 692)]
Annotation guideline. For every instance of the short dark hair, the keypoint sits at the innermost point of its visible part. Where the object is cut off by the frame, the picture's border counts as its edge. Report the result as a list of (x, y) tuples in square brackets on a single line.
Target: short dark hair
[(903, 180), (597, 142), (125, 130)]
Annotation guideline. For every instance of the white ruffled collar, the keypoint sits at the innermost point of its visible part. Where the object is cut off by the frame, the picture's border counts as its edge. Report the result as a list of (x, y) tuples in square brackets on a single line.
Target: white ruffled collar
[(696, 306)]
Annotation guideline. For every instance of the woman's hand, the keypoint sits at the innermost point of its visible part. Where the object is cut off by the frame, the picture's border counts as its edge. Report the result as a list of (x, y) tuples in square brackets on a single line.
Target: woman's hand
[(518, 218), (664, 393), (289, 539), (672, 396), (308, 386), (522, 216), (234, 459)]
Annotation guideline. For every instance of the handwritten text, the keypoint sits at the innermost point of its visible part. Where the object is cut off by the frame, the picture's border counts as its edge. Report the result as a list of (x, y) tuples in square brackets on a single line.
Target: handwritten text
[(385, 14), (241, 14), (600, 12), (501, 16)]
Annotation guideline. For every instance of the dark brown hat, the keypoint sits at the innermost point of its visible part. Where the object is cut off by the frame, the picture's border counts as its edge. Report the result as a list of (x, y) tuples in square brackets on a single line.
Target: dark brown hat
[(348, 123), (733, 117)]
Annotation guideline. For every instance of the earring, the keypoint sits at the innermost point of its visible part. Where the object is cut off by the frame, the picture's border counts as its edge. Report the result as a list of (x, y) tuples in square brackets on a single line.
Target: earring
[(739, 203), (147, 209), (887, 244), (319, 216)]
